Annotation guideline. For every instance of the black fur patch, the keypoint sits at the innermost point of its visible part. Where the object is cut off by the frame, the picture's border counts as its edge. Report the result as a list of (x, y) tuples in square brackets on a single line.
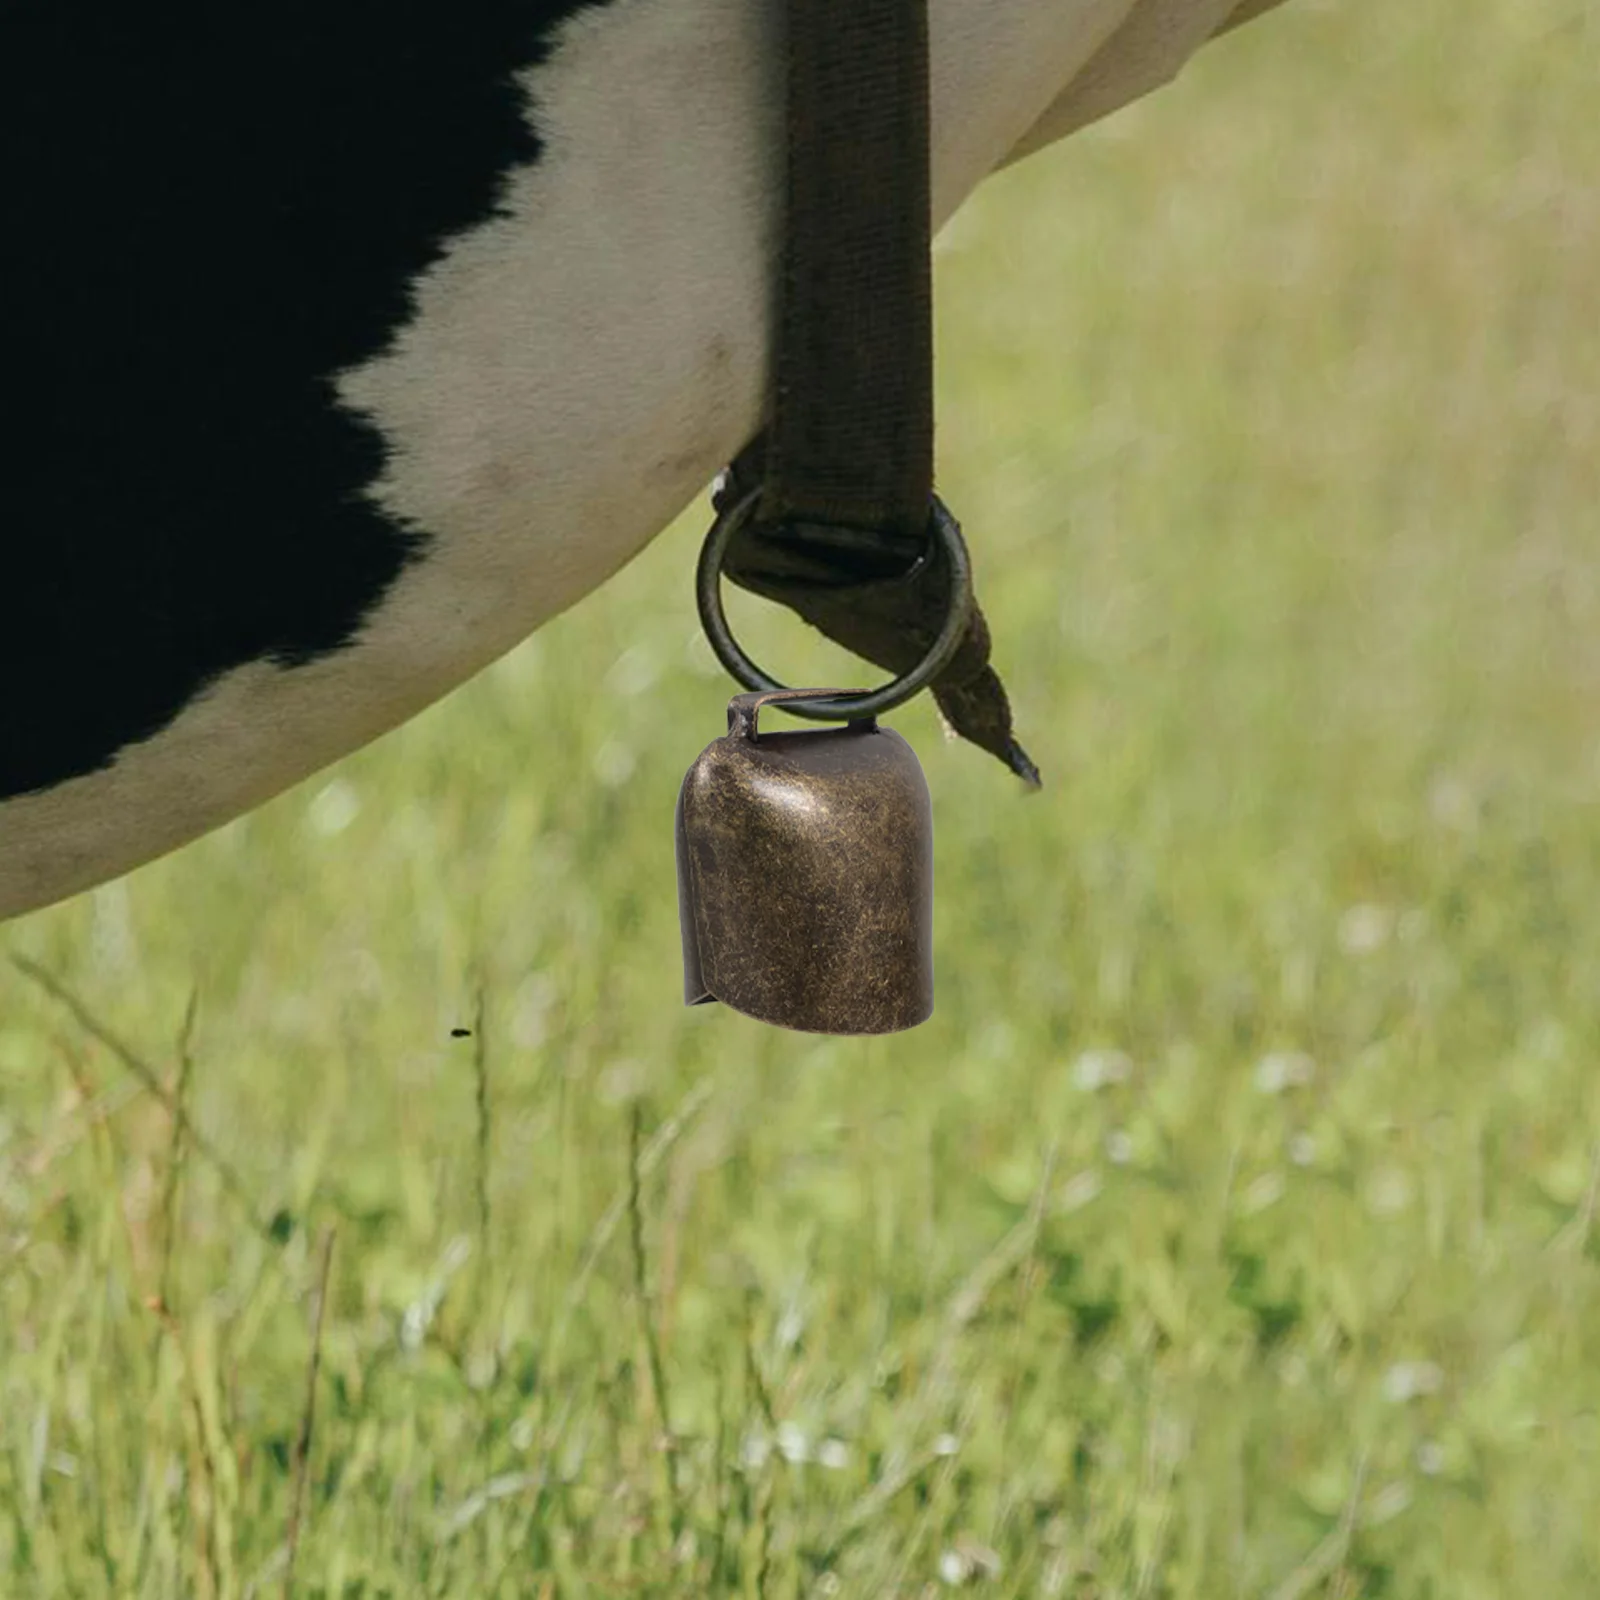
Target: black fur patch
[(206, 211)]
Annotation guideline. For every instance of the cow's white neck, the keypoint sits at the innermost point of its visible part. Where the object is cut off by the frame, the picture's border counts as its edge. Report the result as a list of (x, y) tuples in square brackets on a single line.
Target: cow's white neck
[(576, 373)]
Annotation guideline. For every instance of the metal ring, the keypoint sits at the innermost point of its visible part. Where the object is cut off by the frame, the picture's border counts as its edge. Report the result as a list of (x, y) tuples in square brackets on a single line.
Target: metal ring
[(708, 594)]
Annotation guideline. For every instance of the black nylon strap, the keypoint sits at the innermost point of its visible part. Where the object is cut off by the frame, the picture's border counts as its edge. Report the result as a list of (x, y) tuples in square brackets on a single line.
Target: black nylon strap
[(851, 436), (842, 475)]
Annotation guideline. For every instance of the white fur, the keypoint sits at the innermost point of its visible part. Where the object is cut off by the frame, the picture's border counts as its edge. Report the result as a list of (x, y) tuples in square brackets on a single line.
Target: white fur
[(576, 373)]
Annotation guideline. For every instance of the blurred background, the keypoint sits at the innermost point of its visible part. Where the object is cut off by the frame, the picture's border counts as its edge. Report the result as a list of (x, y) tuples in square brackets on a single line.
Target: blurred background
[(1229, 1230)]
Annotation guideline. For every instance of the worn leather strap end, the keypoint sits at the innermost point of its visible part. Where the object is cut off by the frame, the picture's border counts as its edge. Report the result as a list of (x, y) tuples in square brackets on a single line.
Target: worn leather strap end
[(838, 584)]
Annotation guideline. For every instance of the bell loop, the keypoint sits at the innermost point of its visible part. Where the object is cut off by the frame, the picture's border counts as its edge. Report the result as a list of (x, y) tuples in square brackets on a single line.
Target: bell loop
[(944, 534), (744, 708)]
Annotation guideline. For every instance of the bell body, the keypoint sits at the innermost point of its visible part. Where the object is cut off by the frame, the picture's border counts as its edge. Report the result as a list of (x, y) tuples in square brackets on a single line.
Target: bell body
[(805, 876)]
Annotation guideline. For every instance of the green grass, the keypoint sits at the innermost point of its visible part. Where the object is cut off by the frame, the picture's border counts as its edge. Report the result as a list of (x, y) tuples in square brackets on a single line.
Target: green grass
[(1229, 1231)]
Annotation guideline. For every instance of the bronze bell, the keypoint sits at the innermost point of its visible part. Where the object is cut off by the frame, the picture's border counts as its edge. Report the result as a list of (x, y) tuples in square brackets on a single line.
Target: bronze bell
[(805, 874)]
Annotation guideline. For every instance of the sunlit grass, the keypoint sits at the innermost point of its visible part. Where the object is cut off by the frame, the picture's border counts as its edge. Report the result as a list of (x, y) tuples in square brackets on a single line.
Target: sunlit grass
[(1230, 1229)]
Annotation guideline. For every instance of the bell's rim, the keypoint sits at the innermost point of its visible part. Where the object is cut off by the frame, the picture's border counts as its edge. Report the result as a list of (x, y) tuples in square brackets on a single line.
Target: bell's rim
[(818, 1029)]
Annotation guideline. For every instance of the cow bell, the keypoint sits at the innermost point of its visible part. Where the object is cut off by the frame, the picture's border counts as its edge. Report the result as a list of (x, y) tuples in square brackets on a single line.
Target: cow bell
[(805, 874)]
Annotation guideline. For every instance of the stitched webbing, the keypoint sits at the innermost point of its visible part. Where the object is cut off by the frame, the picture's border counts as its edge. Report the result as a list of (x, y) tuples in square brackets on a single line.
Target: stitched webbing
[(851, 435)]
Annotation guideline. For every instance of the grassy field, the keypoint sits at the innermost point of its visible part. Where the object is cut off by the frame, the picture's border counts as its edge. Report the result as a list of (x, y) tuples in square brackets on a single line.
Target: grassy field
[(1231, 1228)]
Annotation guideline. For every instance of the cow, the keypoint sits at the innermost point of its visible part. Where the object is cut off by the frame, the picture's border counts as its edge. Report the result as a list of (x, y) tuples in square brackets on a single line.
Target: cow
[(344, 344)]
